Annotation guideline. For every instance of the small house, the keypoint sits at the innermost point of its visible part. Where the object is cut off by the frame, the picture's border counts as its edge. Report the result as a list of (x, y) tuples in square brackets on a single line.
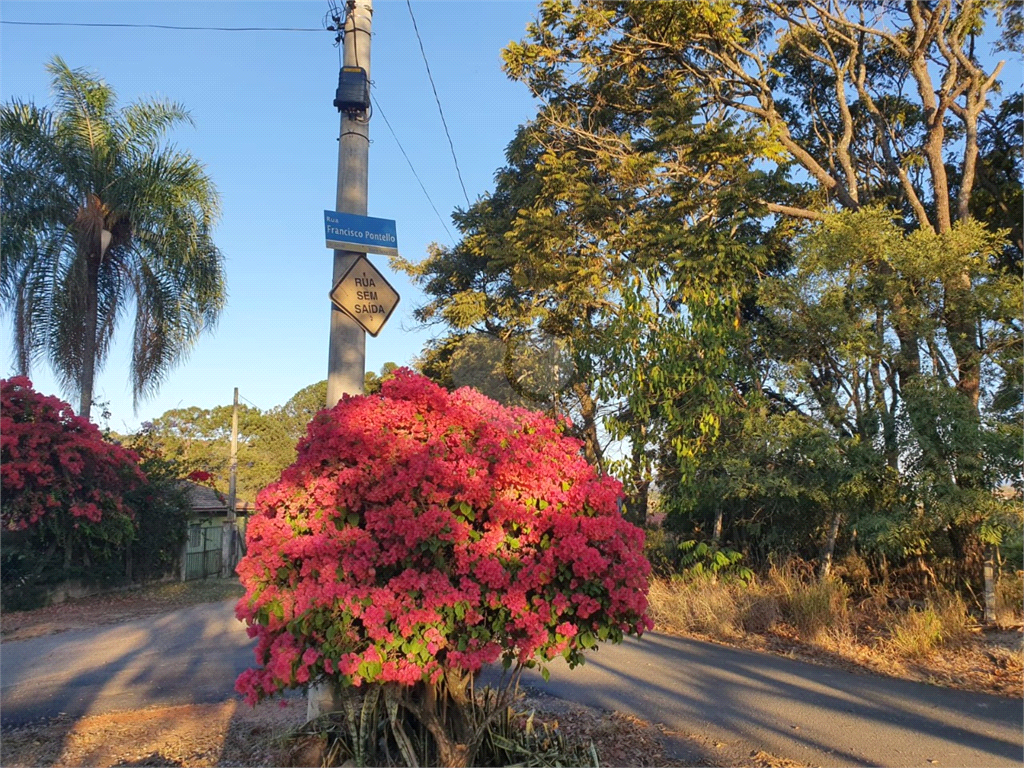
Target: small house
[(205, 548)]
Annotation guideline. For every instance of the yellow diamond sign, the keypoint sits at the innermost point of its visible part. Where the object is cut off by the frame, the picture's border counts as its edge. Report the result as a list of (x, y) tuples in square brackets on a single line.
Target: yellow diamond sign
[(365, 296)]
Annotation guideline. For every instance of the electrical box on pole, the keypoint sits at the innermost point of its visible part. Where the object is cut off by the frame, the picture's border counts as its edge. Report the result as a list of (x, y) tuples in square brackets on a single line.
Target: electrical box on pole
[(353, 94)]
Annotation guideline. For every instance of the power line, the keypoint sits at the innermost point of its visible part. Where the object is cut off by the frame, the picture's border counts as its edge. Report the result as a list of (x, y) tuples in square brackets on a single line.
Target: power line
[(412, 168), (158, 26), (250, 402), (438, 100)]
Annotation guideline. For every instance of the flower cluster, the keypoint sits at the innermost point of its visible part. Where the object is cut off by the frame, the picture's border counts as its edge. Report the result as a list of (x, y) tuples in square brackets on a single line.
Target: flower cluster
[(420, 530), (59, 476)]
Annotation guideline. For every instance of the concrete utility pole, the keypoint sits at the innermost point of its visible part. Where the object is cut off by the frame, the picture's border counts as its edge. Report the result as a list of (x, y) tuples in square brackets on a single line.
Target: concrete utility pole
[(346, 360), (227, 549)]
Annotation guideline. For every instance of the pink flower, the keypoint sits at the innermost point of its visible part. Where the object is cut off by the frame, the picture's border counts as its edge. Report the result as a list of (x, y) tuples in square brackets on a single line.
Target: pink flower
[(420, 530)]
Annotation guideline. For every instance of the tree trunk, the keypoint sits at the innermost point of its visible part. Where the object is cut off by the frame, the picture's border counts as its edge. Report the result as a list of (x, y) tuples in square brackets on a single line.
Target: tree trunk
[(830, 546), (990, 583), (451, 733), (636, 504), (89, 338), (588, 411)]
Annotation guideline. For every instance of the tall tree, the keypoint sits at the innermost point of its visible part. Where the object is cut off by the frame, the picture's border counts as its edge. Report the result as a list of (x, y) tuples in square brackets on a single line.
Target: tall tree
[(98, 215), (866, 121)]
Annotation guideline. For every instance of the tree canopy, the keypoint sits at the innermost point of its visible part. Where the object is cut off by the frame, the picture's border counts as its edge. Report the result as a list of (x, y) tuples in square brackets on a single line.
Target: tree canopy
[(775, 239)]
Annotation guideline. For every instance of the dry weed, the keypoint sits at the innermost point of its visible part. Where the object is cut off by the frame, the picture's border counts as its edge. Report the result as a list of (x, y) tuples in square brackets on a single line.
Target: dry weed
[(1010, 600), (790, 612), (701, 605)]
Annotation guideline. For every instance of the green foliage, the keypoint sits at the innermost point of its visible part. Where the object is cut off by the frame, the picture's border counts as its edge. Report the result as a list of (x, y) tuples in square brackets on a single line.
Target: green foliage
[(707, 559), (162, 508), (200, 438), (672, 555), (788, 292)]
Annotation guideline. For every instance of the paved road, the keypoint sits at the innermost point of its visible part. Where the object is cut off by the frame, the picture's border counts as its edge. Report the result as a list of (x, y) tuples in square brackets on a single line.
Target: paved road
[(746, 701), (192, 655)]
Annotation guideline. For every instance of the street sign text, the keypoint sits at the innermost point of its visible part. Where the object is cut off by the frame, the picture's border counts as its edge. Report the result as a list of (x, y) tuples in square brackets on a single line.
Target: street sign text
[(348, 232)]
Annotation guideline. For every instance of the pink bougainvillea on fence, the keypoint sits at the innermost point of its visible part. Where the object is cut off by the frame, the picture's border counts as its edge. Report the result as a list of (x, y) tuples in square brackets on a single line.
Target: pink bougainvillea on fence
[(421, 531)]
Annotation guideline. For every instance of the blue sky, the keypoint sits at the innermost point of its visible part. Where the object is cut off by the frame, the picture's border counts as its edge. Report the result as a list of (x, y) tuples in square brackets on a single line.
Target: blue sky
[(267, 132)]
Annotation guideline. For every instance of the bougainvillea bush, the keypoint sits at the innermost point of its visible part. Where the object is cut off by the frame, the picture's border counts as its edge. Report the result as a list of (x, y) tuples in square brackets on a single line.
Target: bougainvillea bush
[(64, 487), (421, 532)]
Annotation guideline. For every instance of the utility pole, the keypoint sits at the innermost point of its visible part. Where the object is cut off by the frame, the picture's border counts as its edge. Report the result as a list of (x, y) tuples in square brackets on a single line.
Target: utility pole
[(346, 360), (227, 549)]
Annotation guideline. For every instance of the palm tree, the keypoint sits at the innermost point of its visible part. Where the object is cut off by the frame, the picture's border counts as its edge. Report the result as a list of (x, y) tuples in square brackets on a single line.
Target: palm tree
[(97, 218)]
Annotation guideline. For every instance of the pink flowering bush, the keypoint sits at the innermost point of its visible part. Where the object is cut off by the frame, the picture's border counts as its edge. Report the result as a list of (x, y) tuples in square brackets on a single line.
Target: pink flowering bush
[(422, 534), (64, 486)]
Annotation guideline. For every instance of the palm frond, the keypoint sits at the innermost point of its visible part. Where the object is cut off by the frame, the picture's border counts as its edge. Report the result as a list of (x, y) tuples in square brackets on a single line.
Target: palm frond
[(144, 123), (84, 102)]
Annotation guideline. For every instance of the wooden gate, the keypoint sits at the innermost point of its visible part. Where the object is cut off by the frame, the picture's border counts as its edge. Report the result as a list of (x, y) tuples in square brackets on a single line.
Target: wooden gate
[(203, 557)]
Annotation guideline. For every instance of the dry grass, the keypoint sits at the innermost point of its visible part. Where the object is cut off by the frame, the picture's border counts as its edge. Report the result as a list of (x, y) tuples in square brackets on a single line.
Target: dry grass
[(1010, 600), (791, 612)]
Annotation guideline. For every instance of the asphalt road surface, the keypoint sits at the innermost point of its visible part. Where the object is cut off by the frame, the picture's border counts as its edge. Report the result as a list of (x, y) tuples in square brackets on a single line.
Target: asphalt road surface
[(741, 700)]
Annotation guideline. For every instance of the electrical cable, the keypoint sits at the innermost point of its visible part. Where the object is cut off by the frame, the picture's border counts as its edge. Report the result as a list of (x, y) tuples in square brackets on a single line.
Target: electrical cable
[(250, 402), (157, 26), (438, 100), (411, 167)]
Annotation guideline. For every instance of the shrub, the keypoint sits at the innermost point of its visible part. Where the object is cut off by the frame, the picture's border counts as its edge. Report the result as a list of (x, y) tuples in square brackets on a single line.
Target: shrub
[(162, 506), (759, 612), (672, 555), (63, 490), (421, 534)]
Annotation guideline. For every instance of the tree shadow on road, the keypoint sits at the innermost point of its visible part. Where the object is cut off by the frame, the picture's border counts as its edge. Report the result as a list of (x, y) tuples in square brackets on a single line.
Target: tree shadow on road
[(122, 694), (791, 708)]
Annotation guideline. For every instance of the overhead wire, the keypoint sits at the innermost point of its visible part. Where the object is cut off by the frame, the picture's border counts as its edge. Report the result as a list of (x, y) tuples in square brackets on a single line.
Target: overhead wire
[(250, 402), (375, 106), (376, 103), (438, 100), (157, 26), (411, 166)]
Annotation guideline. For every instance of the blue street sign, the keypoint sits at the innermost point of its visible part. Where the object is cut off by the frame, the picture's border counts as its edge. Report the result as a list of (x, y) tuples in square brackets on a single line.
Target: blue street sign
[(348, 232)]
